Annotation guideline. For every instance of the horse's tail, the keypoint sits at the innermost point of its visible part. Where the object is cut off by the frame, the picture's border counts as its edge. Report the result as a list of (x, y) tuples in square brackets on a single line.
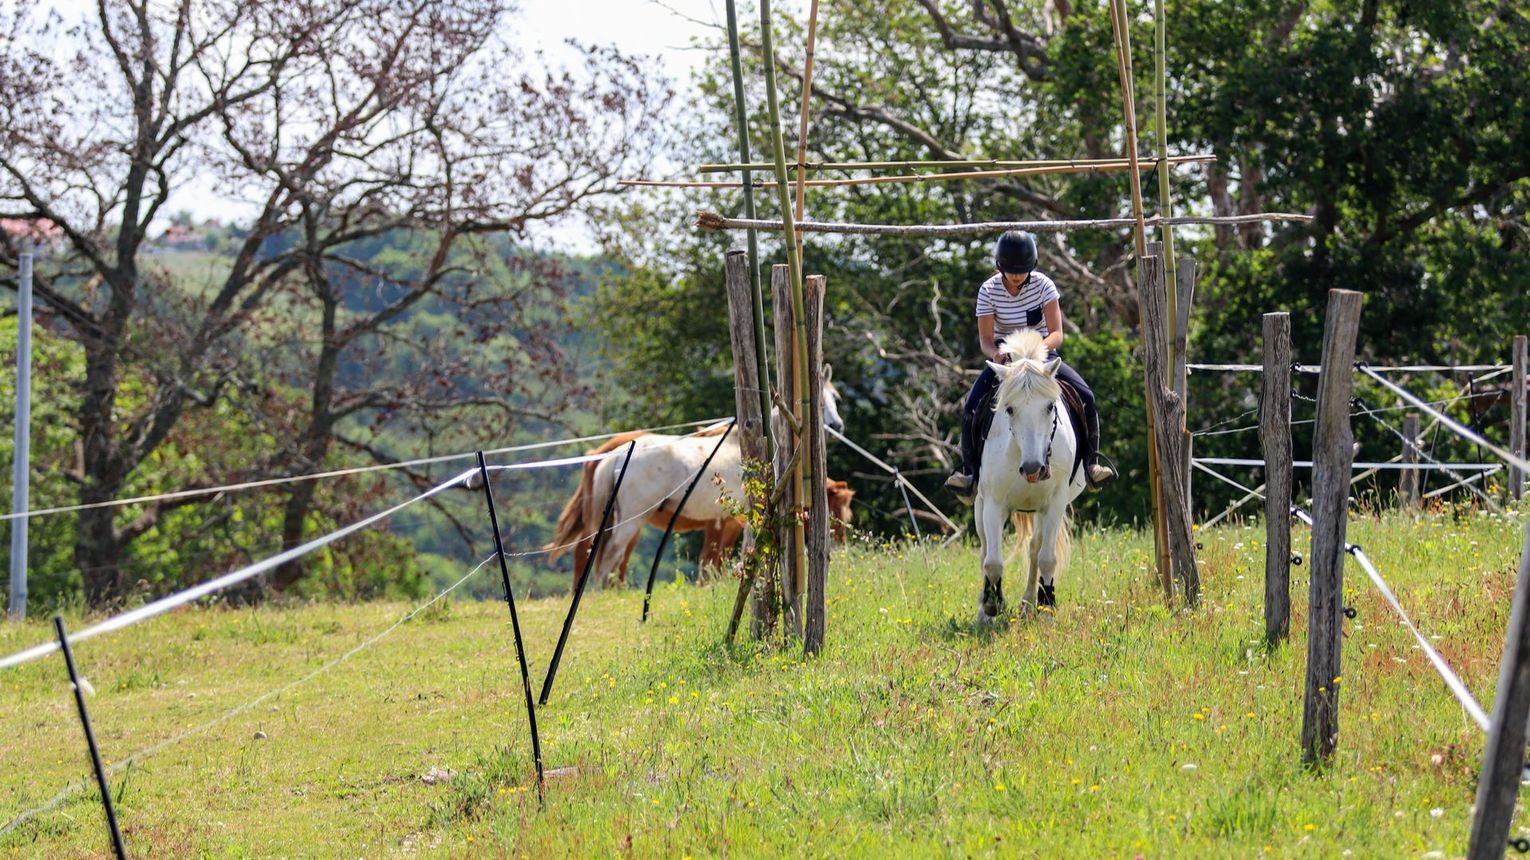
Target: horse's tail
[(1025, 524), (576, 525)]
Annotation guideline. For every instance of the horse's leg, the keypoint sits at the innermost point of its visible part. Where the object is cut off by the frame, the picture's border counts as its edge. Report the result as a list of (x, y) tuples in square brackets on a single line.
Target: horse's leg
[(989, 518), (1048, 534), (1032, 549)]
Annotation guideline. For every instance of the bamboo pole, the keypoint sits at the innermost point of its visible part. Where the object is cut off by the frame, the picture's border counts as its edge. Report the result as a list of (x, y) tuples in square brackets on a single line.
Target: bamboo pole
[(815, 166), (1165, 205), (713, 221), (1119, 26), (802, 181), (793, 261), (804, 472), (757, 301), (1129, 100)]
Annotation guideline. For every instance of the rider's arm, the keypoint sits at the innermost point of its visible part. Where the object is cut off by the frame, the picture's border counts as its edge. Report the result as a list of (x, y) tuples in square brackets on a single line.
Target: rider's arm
[(1052, 313), (985, 336)]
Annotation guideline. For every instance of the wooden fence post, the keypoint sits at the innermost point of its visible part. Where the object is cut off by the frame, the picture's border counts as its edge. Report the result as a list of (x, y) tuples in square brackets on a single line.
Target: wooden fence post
[(1407, 490), (1503, 761), (1517, 416), (1332, 455), (818, 512), (1275, 439), (1168, 422), (746, 399), (1184, 284), (787, 444)]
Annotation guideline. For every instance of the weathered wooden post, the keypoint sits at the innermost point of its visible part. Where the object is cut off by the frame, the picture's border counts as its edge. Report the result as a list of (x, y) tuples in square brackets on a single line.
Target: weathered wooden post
[(1407, 490), (1184, 287), (1332, 455), (1168, 423), (1503, 761), (788, 444), (1517, 416), (1275, 439), (816, 452), (746, 387)]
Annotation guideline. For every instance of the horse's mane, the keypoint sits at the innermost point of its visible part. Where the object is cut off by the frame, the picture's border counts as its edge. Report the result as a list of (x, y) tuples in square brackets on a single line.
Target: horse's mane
[(1027, 354)]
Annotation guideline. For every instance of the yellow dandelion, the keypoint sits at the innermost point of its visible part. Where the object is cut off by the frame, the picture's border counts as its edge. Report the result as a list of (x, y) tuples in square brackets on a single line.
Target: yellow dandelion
[(1198, 715), (998, 786), (1309, 827), (674, 700)]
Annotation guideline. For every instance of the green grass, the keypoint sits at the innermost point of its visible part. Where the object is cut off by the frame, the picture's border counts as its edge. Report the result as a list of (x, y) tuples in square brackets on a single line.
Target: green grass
[(1109, 728)]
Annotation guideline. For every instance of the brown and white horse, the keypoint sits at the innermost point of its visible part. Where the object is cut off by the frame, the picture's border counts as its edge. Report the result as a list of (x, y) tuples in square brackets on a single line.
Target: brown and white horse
[(660, 469)]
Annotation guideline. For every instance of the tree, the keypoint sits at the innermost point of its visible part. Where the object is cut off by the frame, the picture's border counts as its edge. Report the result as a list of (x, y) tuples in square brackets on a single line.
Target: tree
[(1403, 127), (343, 119)]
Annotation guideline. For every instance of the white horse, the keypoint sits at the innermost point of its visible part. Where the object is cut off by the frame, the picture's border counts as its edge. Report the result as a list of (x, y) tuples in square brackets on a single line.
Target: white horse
[(1026, 471), (660, 470)]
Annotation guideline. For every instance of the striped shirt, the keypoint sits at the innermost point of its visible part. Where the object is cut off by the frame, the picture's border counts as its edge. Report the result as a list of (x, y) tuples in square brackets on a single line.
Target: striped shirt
[(1018, 311)]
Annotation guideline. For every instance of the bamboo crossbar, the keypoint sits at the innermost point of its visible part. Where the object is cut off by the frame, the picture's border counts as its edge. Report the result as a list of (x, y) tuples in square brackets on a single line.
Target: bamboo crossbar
[(1071, 167), (815, 166), (714, 221)]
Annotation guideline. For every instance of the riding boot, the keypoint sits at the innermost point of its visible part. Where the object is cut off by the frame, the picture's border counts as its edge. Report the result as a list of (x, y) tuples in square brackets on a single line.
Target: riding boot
[(1096, 475), (963, 482)]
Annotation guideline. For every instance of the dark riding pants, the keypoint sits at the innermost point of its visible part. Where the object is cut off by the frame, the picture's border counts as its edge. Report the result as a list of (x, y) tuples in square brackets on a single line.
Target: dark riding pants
[(985, 383)]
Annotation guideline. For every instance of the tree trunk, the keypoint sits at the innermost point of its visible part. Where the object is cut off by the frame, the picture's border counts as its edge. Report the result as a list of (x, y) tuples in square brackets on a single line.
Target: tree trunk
[(316, 440), (98, 549)]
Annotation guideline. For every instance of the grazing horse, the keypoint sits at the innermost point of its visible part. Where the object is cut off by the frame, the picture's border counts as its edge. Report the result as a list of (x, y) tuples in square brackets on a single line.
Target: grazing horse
[(1028, 471), (661, 468)]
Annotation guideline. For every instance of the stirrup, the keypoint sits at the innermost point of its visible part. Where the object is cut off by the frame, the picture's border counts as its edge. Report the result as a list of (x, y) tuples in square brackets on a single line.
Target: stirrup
[(963, 486), (1097, 484)]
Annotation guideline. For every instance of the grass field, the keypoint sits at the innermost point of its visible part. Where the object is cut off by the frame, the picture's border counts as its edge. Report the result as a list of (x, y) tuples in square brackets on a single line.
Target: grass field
[(1111, 727)]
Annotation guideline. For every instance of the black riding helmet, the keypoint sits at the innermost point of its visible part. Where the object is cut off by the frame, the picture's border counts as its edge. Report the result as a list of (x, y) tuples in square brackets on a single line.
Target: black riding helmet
[(1016, 253)]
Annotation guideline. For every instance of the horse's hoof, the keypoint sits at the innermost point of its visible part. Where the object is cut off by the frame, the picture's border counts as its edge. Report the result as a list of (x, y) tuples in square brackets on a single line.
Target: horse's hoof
[(1046, 595)]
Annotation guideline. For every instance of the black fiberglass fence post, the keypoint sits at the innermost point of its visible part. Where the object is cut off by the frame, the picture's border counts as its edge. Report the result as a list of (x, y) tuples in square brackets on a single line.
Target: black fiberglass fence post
[(589, 564), (90, 738), (669, 529), (515, 623)]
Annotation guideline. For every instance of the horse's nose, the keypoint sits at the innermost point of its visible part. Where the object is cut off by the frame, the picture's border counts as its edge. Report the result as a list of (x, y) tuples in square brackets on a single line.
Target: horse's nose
[(836, 425), (1031, 468)]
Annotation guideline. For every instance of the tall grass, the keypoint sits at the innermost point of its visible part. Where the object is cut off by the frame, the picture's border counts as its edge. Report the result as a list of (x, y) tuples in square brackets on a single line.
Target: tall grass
[(1111, 727)]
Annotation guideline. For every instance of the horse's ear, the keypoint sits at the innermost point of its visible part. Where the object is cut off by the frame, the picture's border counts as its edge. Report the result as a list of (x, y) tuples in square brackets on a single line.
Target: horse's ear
[(828, 372), (999, 370), (1050, 368)]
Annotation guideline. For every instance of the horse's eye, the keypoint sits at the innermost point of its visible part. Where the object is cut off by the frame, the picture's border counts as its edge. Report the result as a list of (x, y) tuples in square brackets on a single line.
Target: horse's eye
[(1009, 410), (1051, 407)]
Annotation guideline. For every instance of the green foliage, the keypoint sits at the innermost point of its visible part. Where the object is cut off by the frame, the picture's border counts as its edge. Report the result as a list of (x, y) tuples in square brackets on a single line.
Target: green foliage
[(1403, 127)]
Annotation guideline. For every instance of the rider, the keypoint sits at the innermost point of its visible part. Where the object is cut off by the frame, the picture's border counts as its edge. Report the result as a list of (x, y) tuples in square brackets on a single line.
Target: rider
[(1018, 296)]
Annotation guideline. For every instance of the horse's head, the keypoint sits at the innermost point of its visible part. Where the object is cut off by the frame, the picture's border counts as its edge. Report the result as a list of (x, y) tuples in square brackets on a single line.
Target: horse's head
[(1027, 401), (831, 417)]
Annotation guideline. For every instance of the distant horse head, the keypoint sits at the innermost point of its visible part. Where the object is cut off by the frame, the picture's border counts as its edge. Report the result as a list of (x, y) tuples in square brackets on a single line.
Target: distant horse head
[(831, 417)]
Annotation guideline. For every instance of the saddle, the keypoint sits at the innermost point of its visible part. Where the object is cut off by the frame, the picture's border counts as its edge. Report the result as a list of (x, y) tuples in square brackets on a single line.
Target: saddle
[(983, 421)]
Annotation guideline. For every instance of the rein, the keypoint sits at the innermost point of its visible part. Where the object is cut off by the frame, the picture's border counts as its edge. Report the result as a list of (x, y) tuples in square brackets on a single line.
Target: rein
[(1046, 464)]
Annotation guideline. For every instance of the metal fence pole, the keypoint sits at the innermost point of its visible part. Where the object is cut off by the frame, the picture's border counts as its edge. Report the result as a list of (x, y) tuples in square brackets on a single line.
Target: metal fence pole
[(21, 459)]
